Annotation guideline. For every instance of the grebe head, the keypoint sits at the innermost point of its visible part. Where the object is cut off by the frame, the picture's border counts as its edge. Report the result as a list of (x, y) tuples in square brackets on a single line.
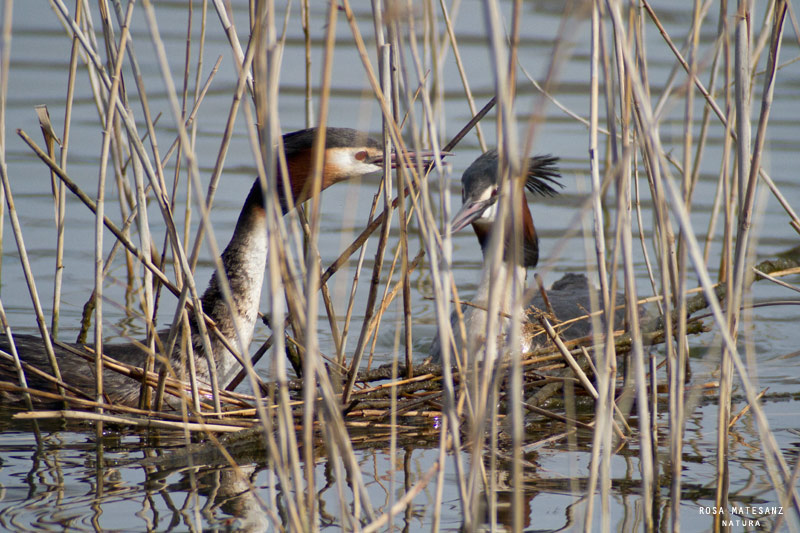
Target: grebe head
[(479, 199), (479, 208), (349, 153)]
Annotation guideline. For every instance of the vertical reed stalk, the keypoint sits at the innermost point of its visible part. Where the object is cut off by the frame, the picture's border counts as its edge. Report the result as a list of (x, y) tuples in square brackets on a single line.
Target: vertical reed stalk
[(198, 95), (403, 219), (309, 94), (311, 361), (606, 365), (677, 365), (508, 167), (461, 72), (646, 451), (61, 190), (283, 451)]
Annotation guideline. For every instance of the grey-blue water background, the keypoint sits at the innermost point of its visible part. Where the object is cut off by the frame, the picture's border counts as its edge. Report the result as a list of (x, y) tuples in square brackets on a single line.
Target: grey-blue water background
[(56, 488)]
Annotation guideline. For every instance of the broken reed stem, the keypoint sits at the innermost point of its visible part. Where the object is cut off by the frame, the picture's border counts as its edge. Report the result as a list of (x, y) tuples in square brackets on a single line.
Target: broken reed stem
[(61, 190), (26, 268)]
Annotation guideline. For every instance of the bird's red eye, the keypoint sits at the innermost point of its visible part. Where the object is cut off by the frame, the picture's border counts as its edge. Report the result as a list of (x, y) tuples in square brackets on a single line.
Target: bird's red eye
[(360, 156)]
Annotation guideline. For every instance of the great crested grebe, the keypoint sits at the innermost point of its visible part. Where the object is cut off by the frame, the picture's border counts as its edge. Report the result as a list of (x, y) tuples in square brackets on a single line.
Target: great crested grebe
[(348, 153), (479, 208)]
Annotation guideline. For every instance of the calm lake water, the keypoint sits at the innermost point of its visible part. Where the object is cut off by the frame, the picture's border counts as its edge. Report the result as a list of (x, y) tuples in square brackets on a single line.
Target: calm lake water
[(75, 482)]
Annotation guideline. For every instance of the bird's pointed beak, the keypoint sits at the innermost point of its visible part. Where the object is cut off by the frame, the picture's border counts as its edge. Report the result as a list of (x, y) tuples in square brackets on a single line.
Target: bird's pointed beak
[(425, 157), (470, 212)]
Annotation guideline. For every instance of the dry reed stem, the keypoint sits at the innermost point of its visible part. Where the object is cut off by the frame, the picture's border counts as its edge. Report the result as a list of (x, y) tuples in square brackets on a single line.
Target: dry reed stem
[(311, 362), (61, 194), (647, 466), (100, 210), (399, 147), (605, 389), (127, 421), (773, 458), (677, 363), (403, 215), (26, 267), (155, 176), (181, 258), (284, 448), (509, 163), (119, 234), (23, 383), (460, 64)]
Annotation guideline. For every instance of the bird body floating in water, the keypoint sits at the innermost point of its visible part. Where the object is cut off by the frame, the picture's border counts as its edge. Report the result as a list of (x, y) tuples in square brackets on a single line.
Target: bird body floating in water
[(348, 153)]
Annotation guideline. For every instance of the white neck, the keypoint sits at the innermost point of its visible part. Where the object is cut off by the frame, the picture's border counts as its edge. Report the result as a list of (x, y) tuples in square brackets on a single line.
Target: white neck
[(476, 317), (244, 261)]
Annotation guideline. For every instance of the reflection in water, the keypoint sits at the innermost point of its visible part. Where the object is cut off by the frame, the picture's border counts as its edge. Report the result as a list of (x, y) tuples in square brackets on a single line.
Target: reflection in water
[(73, 483), (78, 485), (231, 497), (130, 482)]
